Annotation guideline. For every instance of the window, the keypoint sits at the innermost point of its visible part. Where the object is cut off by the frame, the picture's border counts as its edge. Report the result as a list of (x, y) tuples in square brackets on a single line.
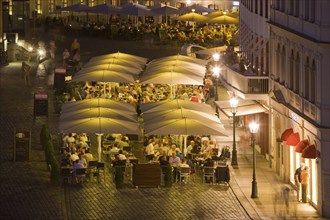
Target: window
[(283, 59), (278, 62), (306, 72), (261, 8), (312, 11), (256, 6), (266, 8), (297, 74), (296, 8), (307, 7), (291, 83), (313, 82)]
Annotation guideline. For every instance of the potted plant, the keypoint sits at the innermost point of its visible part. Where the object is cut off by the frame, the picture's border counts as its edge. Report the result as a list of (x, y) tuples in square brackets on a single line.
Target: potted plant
[(119, 176)]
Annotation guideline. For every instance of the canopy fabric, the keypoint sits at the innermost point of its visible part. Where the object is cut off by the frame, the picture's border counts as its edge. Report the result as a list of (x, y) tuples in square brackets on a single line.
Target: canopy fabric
[(223, 19), (176, 104), (182, 69), (286, 134), (123, 56), (98, 112), (180, 58), (181, 63), (114, 60), (301, 145), (192, 17), (105, 9), (98, 102), (165, 10), (211, 51), (220, 13), (99, 125), (76, 8), (136, 9), (172, 78), (111, 66), (179, 113), (196, 8), (184, 126), (293, 139), (309, 152), (245, 107), (104, 76)]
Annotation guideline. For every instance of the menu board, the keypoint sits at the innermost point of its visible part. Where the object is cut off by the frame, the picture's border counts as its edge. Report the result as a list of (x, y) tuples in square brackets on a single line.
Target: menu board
[(22, 145), (59, 78), (41, 104)]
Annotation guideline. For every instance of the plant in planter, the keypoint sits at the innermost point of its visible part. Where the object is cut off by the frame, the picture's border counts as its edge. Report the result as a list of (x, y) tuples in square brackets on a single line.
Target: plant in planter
[(168, 176), (54, 172), (119, 176)]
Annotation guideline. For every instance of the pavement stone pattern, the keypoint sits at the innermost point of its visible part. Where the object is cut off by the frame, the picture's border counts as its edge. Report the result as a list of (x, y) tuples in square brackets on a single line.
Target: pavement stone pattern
[(25, 190)]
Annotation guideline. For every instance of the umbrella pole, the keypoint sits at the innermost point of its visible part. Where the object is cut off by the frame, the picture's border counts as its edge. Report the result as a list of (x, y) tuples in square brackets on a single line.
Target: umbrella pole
[(185, 137), (99, 149)]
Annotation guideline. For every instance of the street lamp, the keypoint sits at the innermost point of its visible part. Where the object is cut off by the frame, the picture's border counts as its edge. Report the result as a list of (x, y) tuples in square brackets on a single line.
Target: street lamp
[(234, 104), (254, 127), (216, 57)]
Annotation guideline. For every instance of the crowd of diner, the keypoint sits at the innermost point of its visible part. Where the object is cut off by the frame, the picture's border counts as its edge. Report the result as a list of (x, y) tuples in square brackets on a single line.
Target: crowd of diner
[(125, 29)]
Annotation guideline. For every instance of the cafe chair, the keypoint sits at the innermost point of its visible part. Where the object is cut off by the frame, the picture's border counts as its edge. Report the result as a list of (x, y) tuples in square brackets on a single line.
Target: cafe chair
[(66, 174), (100, 169), (208, 173), (80, 175), (184, 174), (127, 149), (91, 168)]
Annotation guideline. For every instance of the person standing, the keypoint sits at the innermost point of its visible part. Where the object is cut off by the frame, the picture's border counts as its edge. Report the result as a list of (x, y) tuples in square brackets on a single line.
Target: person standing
[(304, 183), (297, 178)]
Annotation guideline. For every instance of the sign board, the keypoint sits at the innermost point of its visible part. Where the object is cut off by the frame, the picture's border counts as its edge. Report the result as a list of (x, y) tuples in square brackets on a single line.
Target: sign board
[(22, 145), (41, 104), (59, 78)]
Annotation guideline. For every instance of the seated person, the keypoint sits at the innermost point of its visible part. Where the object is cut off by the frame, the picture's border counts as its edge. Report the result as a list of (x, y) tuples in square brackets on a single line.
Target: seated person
[(174, 160), (117, 161), (82, 160), (163, 159), (87, 155), (121, 155), (122, 143)]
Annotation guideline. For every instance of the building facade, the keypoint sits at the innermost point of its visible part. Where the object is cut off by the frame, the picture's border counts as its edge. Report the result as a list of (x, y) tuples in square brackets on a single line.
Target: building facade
[(299, 84)]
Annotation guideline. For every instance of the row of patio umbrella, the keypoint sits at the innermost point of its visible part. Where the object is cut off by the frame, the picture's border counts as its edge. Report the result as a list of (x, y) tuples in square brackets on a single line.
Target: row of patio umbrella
[(126, 68), (190, 13), (179, 117)]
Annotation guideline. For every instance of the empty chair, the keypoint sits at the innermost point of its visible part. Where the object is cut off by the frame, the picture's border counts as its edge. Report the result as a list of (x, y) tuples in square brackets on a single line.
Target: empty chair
[(100, 169), (66, 174), (91, 168), (128, 149), (208, 173), (184, 174), (80, 175)]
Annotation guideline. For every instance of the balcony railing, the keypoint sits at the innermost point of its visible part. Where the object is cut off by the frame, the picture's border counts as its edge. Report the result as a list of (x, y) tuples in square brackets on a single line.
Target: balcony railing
[(303, 106), (243, 83)]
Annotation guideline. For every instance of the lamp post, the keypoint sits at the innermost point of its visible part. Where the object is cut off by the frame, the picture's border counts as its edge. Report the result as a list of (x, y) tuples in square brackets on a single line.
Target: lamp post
[(234, 104), (254, 127)]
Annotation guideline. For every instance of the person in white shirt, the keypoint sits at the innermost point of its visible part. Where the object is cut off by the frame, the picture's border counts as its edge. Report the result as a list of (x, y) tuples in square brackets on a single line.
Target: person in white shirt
[(150, 151)]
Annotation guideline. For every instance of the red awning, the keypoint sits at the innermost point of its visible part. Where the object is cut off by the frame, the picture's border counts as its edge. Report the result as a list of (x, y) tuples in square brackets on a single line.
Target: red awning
[(301, 146), (309, 152), (286, 134), (293, 139)]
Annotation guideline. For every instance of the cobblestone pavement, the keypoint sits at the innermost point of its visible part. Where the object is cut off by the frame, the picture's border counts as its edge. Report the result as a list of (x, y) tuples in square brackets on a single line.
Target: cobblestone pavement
[(25, 190)]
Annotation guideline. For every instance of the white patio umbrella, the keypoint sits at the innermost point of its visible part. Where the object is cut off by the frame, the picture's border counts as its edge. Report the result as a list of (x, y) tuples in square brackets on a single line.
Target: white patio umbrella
[(180, 58), (123, 56), (110, 66), (196, 8), (184, 126), (172, 78), (105, 9), (99, 126), (165, 10), (98, 112), (136, 10), (98, 102), (167, 68), (223, 19), (211, 51), (176, 104), (114, 60), (104, 76), (194, 17), (179, 113)]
